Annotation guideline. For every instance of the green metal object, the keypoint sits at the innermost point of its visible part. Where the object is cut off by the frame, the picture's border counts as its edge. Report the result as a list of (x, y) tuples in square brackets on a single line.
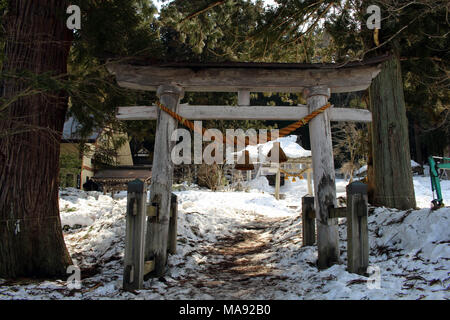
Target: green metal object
[(435, 166)]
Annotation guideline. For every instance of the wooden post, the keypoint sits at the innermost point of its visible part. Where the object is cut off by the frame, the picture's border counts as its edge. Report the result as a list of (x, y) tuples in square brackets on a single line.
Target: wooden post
[(277, 183), (244, 100), (308, 177), (243, 97), (161, 186), (357, 229), (172, 247), (133, 275), (324, 177), (308, 221)]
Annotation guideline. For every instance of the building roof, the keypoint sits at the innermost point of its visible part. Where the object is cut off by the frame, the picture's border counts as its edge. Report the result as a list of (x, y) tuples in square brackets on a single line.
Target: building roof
[(289, 145), (122, 175), (71, 132)]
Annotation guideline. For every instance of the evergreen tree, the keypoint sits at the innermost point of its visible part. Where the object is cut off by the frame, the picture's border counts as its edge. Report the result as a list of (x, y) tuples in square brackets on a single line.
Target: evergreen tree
[(37, 43), (405, 26), (41, 69)]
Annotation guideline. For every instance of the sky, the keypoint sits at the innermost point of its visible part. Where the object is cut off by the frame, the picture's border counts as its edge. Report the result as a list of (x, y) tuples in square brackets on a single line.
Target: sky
[(158, 3)]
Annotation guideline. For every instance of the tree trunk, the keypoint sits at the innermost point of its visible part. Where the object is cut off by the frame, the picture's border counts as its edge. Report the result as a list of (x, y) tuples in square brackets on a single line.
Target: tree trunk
[(31, 240), (417, 143), (370, 174), (393, 185)]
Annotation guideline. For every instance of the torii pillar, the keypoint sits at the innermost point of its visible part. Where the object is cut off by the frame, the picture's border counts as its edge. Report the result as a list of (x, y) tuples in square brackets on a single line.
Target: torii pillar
[(161, 183), (324, 177)]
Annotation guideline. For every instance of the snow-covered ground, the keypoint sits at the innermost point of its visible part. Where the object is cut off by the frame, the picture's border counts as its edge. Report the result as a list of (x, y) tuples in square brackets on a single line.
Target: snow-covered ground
[(247, 245)]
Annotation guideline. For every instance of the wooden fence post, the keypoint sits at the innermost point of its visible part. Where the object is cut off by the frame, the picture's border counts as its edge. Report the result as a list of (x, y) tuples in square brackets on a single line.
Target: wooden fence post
[(133, 275), (357, 229), (243, 97), (172, 246), (162, 175), (308, 221), (277, 182), (324, 177), (249, 175)]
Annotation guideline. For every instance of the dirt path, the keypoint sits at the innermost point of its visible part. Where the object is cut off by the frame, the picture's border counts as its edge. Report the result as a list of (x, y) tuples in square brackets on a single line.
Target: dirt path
[(238, 266)]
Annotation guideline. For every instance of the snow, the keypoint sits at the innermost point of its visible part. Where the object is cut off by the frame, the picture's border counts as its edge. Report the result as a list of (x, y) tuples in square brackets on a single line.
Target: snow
[(364, 167), (247, 245), (82, 208), (414, 164), (361, 170), (289, 145)]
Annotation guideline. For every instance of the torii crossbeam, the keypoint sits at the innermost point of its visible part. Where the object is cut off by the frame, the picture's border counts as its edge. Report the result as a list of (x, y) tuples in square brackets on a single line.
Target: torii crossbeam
[(316, 81)]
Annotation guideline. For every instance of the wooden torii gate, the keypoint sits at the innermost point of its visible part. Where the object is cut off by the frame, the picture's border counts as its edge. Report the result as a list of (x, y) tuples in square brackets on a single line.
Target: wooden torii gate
[(316, 81)]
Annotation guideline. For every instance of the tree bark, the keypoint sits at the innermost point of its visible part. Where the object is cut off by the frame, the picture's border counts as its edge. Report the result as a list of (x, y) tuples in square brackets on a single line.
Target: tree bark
[(418, 144), (393, 185), (370, 173), (31, 240)]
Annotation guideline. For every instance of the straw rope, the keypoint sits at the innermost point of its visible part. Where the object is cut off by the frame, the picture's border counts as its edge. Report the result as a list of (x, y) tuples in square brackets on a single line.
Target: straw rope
[(283, 132)]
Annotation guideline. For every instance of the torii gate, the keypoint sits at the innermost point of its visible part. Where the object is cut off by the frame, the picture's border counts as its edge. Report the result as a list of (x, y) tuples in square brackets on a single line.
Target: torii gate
[(316, 81)]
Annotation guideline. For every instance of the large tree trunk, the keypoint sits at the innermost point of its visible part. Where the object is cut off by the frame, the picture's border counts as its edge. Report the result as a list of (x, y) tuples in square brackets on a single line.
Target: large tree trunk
[(31, 240), (418, 144), (392, 176), (370, 174)]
